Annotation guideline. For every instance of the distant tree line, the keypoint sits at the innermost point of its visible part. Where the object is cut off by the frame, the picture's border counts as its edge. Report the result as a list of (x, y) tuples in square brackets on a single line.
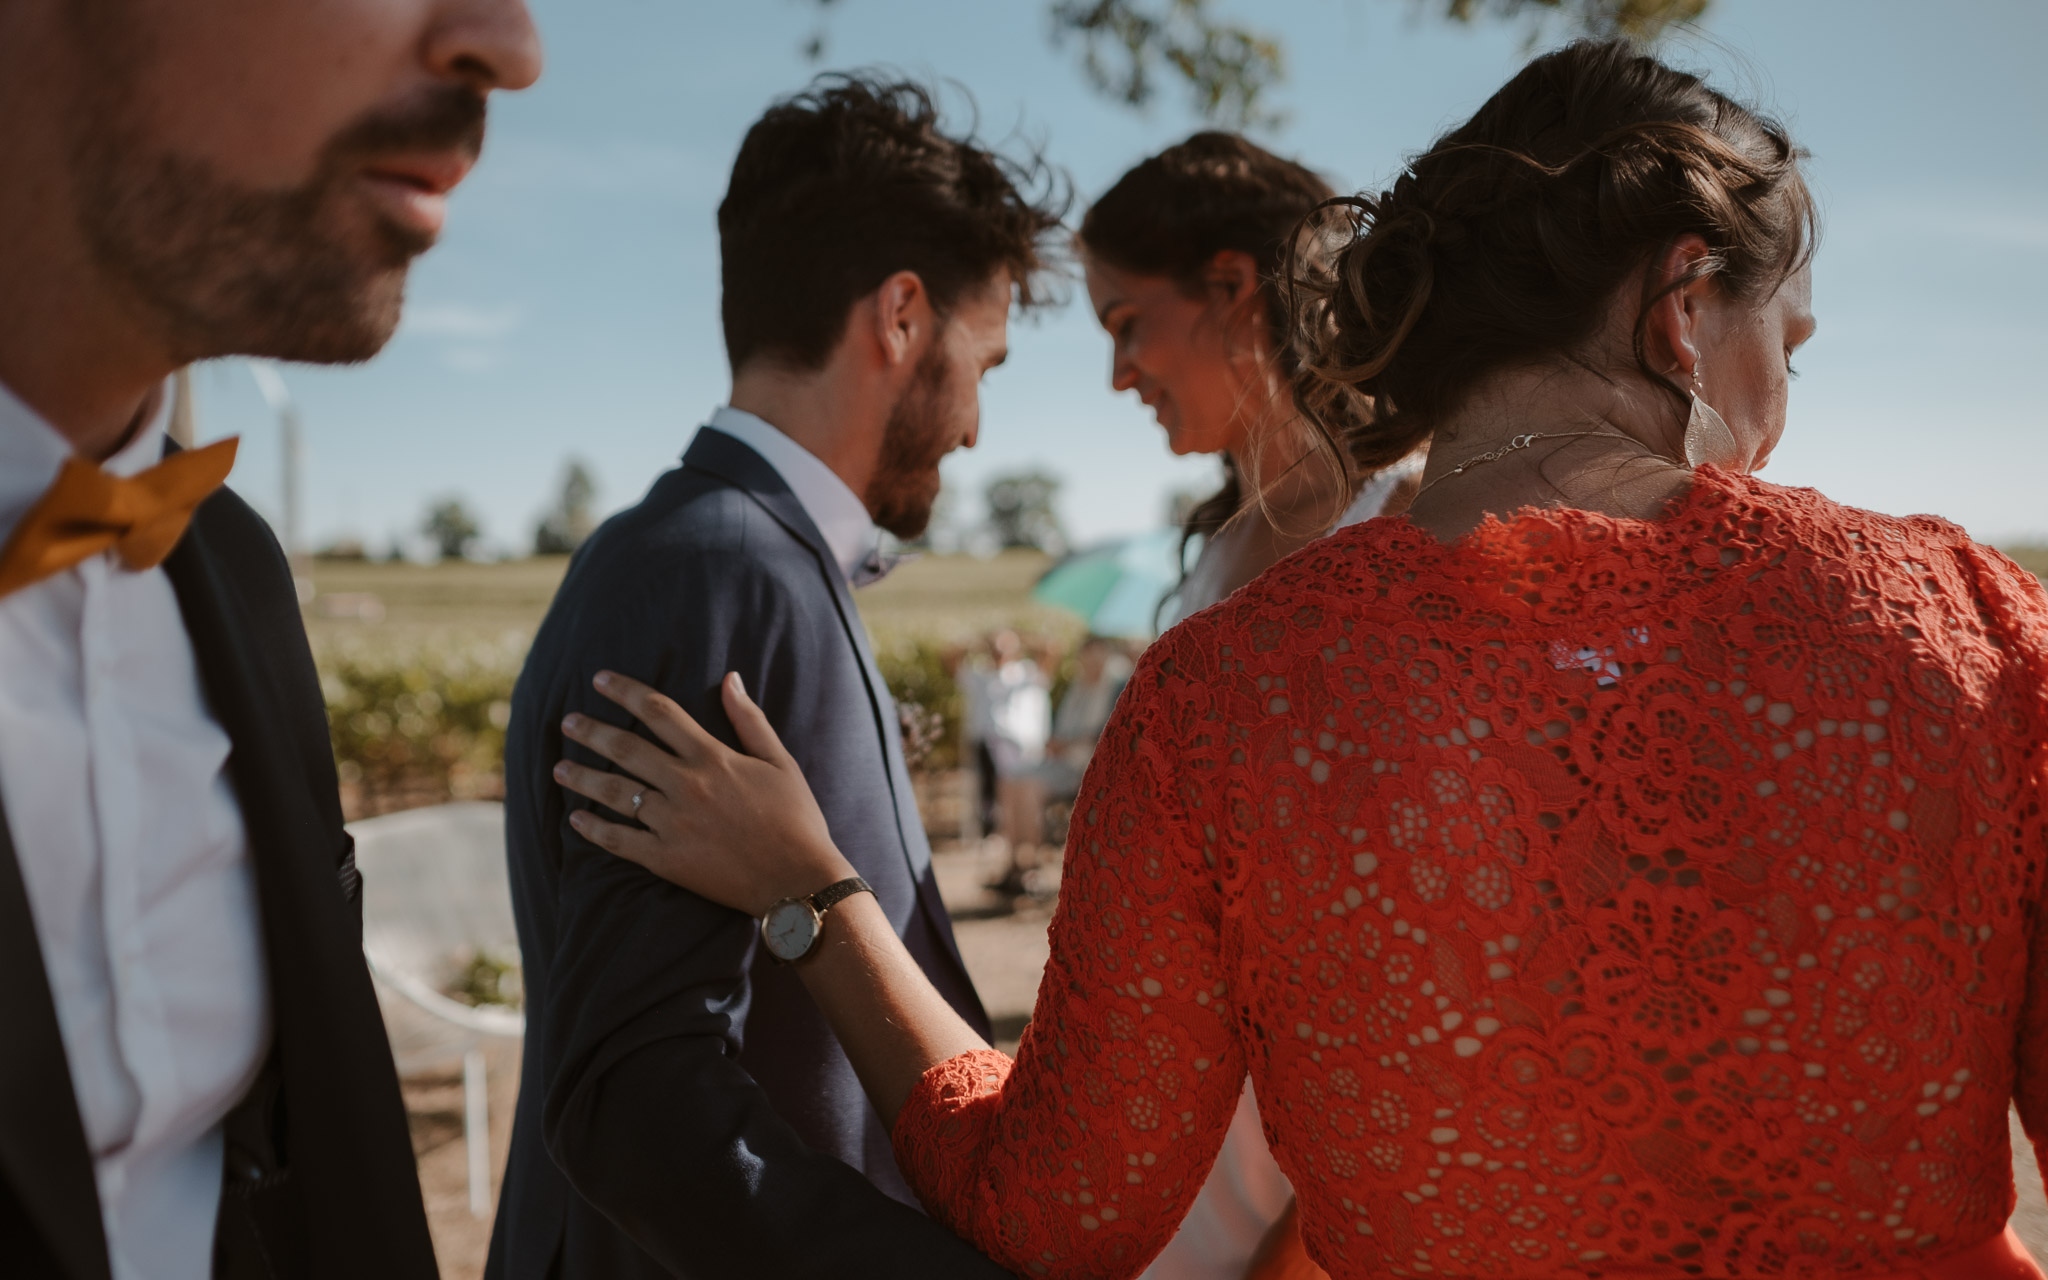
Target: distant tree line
[(453, 530)]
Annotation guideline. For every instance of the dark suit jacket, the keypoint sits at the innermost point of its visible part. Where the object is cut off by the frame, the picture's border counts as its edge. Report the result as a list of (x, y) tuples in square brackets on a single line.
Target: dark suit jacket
[(685, 1109), (320, 1179)]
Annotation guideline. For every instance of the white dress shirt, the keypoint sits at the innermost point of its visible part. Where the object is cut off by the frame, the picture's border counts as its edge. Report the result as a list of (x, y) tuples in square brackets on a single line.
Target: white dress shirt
[(132, 849), (840, 515)]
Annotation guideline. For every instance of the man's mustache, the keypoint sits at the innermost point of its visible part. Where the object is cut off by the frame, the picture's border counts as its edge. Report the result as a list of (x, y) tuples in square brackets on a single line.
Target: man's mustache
[(446, 118)]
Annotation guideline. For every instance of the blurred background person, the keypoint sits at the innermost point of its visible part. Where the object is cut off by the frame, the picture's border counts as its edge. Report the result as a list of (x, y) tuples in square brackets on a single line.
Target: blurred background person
[(1100, 672), (1008, 720)]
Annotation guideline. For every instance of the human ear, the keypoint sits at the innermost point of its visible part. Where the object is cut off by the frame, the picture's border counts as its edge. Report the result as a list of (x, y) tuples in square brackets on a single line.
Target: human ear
[(1231, 276), (1232, 282), (1671, 324), (902, 318)]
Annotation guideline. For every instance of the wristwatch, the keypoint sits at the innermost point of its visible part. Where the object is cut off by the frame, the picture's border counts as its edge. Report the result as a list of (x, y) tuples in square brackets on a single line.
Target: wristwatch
[(791, 927)]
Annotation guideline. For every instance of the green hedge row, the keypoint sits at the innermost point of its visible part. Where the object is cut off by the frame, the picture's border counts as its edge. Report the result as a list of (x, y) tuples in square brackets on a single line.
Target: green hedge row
[(426, 722)]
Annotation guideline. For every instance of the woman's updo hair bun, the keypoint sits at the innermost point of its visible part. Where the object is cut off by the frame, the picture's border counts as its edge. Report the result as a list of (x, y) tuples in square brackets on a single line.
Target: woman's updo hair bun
[(1505, 243)]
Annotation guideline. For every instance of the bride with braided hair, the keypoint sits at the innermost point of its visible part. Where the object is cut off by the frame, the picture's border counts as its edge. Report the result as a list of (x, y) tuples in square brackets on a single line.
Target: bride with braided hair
[(1616, 865)]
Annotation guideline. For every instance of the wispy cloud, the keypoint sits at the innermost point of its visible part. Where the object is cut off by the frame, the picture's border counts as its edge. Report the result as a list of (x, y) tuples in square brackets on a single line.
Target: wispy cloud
[(466, 358), (460, 320), (609, 166)]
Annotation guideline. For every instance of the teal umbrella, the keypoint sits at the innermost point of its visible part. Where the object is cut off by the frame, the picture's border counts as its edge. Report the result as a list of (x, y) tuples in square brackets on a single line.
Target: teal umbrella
[(1116, 587)]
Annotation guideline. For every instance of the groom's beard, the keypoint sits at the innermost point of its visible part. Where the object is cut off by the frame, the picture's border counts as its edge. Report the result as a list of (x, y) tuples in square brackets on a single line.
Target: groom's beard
[(906, 479)]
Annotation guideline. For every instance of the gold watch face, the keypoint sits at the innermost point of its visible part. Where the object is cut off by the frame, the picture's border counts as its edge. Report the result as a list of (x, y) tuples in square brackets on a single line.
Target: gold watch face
[(790, 928)]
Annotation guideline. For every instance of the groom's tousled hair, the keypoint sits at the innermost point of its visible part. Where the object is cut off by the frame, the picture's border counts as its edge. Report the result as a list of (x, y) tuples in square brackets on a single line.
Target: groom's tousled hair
[(852, 180)]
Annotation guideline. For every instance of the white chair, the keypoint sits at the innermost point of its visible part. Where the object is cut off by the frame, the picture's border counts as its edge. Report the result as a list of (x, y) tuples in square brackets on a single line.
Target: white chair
[(435, 897)]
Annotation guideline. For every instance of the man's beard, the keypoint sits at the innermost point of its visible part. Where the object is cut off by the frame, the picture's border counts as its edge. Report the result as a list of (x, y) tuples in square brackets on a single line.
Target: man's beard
[(235, 270), (906, 480)]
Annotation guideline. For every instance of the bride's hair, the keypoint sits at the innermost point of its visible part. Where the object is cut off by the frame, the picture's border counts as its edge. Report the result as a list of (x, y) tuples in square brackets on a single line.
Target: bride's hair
[(1507, 241), (1169, 217)]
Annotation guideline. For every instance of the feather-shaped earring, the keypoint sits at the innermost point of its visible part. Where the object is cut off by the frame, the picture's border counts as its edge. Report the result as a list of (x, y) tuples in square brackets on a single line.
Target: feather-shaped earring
[(1707, 437)]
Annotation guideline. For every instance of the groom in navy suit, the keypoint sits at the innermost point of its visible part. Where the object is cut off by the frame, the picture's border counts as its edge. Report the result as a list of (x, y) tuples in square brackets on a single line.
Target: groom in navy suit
[(685, 1110)]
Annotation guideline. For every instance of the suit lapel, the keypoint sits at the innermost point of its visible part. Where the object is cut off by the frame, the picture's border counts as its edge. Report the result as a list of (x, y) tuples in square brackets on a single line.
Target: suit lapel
[(319, 1165), (43, 1154), (749, 472), (909, 824), (283, 820)]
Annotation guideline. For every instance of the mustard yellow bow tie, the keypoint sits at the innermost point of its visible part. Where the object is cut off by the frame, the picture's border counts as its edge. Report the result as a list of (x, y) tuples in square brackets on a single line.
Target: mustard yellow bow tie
[(87, 511)]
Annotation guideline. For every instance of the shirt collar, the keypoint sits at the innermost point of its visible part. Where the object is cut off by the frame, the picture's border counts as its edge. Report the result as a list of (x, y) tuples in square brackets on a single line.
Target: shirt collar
[(840, 515), (31, 454)]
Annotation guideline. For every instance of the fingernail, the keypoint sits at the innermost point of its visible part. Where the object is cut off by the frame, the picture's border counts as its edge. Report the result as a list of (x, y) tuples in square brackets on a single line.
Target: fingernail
[(561, 771), (739, 682), (572, 722), (577, 819), (602, 679)]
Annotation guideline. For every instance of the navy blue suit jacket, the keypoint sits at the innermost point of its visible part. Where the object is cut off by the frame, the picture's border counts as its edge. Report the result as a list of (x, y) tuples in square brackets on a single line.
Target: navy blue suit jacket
[(684, 1108)]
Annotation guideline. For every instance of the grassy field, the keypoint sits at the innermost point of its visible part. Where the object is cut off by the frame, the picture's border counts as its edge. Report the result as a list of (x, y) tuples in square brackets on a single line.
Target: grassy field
[(488, 597), (948, 599)]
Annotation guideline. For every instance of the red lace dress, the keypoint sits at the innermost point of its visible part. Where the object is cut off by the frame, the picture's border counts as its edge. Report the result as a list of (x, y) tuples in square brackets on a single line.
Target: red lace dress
[(1586, 897)]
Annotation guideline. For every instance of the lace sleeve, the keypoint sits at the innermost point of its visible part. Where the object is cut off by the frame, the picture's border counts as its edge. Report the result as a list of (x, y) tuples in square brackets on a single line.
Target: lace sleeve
[(2018, 612), (1081, 1158)]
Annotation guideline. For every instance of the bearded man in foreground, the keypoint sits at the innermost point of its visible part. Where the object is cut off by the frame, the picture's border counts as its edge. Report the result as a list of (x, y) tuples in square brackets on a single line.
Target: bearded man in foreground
[(194, 1079)]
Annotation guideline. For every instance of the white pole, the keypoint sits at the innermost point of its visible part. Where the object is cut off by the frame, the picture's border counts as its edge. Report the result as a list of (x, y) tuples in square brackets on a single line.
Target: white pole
[(184, 426), (476, 1130), (290, 434), (294, 470)]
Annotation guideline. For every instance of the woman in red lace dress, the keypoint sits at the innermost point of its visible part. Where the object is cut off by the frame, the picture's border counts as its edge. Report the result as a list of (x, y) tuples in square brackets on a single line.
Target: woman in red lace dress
[(1618, 866)]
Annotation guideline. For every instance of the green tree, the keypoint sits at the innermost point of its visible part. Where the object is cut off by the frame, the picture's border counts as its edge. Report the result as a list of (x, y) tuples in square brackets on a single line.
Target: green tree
[(1020, 511), (1228, 68), (563, 529), (452, 527)]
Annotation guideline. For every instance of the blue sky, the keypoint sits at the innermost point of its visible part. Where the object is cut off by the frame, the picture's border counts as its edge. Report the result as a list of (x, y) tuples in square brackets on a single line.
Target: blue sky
[(572, 306)]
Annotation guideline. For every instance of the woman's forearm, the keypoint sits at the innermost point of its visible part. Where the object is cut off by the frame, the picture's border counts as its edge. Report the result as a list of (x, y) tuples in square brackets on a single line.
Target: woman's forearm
[(893, 1024)]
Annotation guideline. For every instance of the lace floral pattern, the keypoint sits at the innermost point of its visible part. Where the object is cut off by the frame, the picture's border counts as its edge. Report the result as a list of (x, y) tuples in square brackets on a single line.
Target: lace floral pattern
[(1587, 897)]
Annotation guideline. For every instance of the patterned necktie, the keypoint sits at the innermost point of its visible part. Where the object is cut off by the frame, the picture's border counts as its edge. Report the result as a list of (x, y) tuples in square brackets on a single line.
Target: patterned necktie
[(86, 511)]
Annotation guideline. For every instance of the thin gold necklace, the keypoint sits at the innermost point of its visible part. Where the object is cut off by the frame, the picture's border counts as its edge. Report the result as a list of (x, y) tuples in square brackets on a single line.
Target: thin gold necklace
[(1522, 441)]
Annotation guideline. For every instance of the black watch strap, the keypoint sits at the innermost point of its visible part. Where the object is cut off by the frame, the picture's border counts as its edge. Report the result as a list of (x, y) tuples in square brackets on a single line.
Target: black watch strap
[(832, 895)]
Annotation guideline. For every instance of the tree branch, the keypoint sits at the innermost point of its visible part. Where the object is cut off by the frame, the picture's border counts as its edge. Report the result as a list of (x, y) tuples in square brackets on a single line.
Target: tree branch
[(1228, 68), (1644, 20)]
